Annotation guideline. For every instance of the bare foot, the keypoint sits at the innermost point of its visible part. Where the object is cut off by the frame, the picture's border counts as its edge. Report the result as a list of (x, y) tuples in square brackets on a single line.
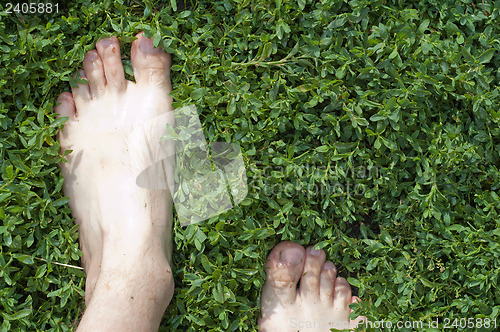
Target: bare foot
[(319, 304), (122, 226)]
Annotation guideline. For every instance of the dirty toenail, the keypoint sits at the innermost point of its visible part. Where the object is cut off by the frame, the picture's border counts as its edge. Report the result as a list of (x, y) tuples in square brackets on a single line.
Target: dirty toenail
[(315, 252), (106, 42), (291, 256), (92, 56), (146, 45), (62, 98), (328, 266)]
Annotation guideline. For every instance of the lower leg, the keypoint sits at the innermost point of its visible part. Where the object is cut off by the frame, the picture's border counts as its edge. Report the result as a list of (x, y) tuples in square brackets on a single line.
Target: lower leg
[(131, 295), (124, 229)]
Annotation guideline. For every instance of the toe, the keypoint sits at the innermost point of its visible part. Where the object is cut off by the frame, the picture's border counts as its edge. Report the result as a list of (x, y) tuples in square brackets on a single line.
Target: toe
[(66, 105), (327, 282), (151, 65), (109, 51), (284, 269), (342, 295), (309, 284), (93, 67), (81, 93), (360, 319)]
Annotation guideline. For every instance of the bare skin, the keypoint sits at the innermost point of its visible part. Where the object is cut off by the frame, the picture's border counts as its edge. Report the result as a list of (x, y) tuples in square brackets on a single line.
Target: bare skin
[(124, 229), (319, 304)]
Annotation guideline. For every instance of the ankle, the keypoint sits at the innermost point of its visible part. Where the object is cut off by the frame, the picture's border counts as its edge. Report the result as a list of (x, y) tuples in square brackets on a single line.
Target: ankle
[(133, 300), (141, 275)]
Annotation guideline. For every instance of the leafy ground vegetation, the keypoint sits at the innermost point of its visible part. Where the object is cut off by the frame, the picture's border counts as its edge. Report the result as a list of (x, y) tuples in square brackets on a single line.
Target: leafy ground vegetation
[(369, 128)]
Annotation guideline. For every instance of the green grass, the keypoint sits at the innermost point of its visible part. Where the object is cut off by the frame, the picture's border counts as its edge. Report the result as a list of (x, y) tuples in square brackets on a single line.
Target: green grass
[(396, 100)]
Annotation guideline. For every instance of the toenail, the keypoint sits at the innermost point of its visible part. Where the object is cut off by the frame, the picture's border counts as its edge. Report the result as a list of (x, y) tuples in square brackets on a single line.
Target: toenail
[(342, 281), (92, 56), (106, 42), (146, 45), (315, 252), (291, 256), (328, 266)]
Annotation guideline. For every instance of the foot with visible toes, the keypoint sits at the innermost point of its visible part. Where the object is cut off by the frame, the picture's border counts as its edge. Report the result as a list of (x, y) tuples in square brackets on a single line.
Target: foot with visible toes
[(114, 131), (320, 303)]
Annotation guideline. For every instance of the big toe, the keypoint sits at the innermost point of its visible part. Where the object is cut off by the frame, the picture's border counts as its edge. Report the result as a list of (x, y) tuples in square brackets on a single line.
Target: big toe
[(151, 65), (284, 269)]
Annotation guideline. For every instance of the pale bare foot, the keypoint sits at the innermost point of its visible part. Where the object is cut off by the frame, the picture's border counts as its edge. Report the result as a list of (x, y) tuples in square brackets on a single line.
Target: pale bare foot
[(122, 227), (319, 304)]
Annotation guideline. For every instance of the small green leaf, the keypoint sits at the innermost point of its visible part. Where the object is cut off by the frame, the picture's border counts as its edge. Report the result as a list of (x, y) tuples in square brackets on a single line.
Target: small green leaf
[(30, 240), (302, 4), (451, 28), (322, 148), (339, 156), (386, 237), (157, 39), (377, 117), (353, 282), (389, 143), (362, 121), (266, 51), (340, 73), (486, 56), (338, 22), (231, 107), (394, 53), (218, 296), (466, 54), (198, 93), (40, 272), (24, 259), (20, 314), (59, 121), (173, 5), (321, 245), (482, 136), (184, 14), (9, 172), (423, 26), (147, 11), (369, 131), (305, 87), (60, 201)]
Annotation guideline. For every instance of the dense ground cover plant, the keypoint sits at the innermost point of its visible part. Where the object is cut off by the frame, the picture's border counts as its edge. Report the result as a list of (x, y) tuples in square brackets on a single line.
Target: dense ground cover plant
[(369, 128)]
